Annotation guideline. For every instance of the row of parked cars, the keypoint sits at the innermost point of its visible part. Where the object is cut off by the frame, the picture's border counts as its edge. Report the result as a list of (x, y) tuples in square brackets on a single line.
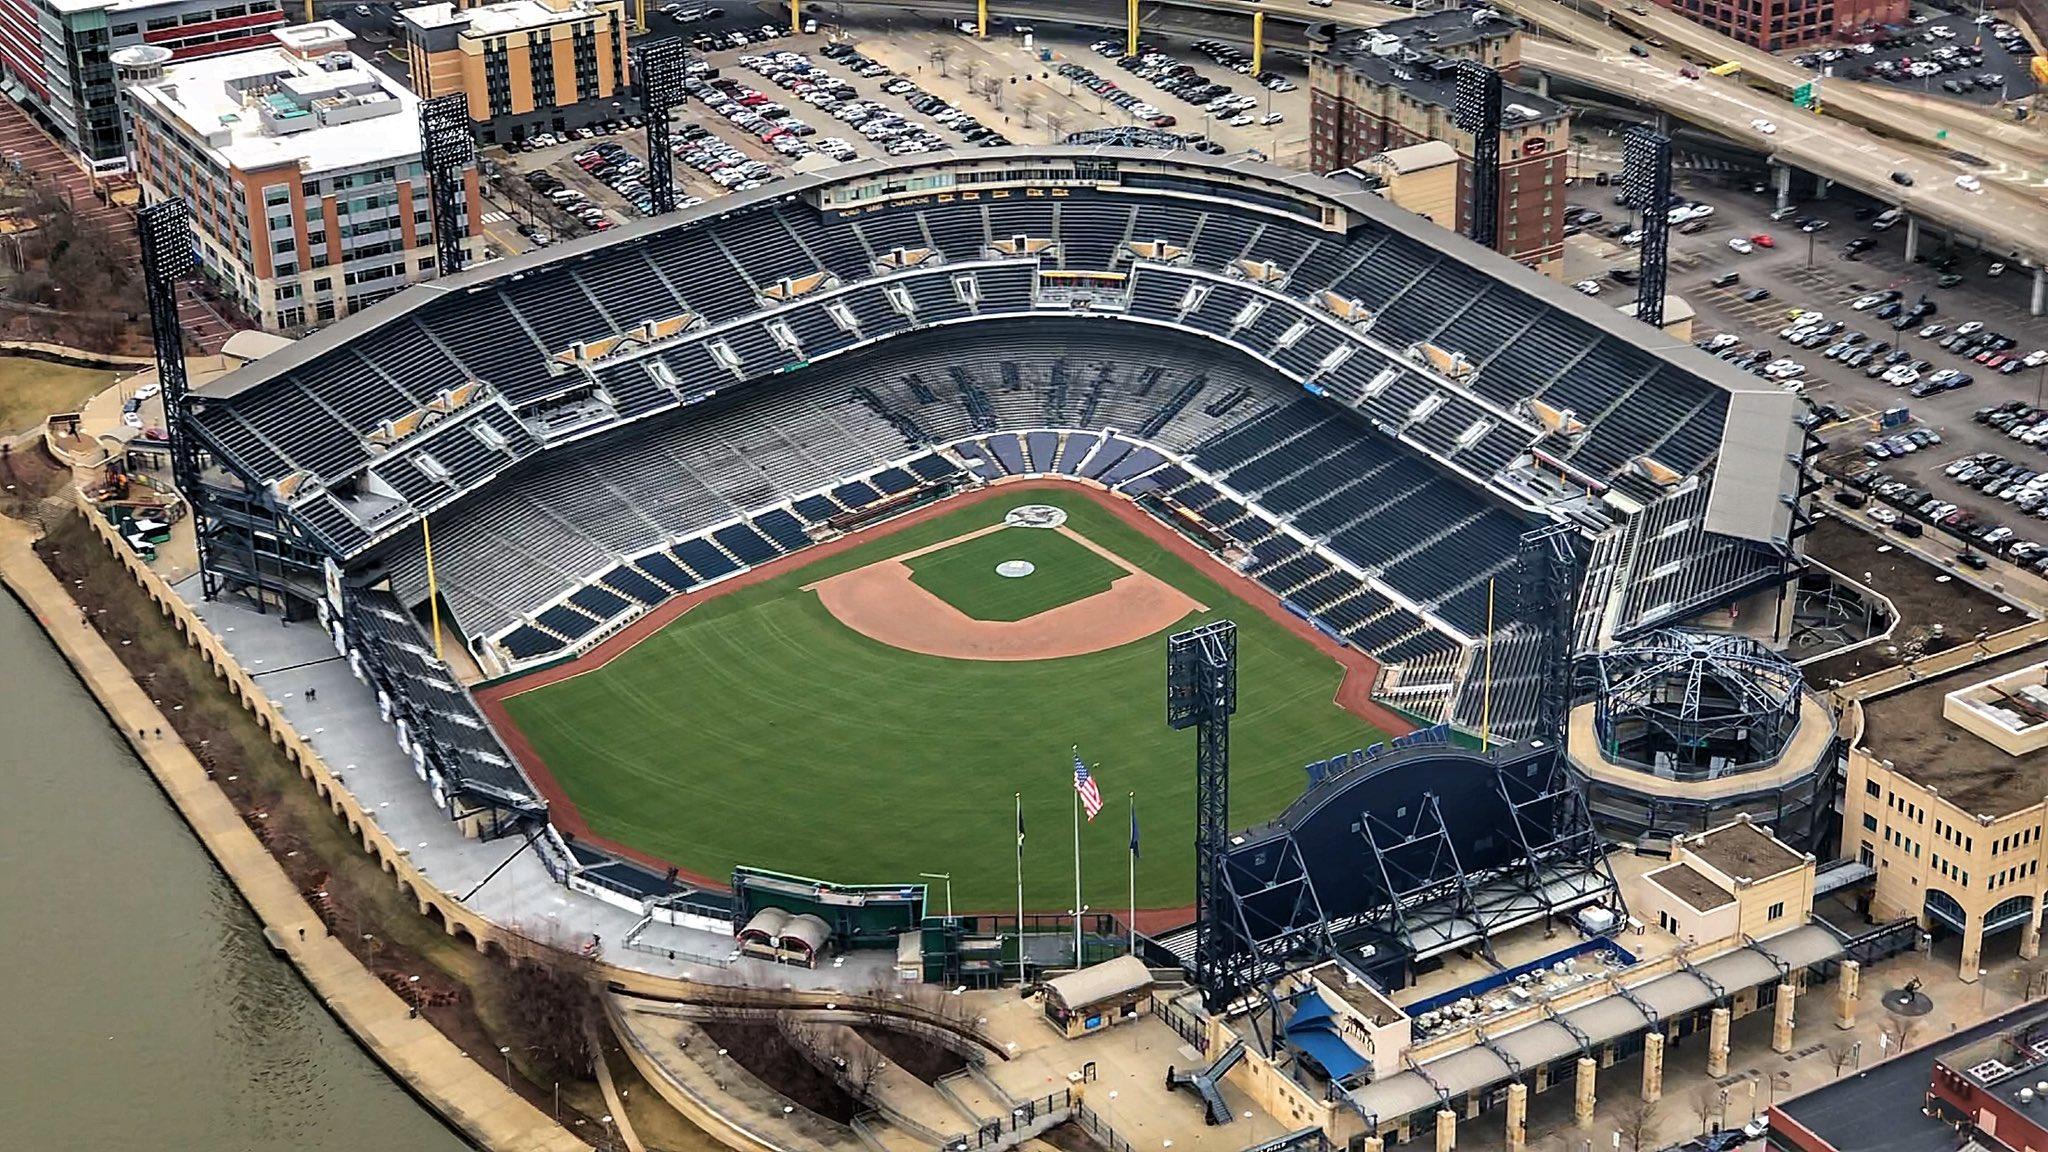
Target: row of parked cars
[(2019, 420), (1240, 61), (720, 162), (742, 37), (570, 201), (1907, 508), (590, 132), (1112, 93), (621, 171)]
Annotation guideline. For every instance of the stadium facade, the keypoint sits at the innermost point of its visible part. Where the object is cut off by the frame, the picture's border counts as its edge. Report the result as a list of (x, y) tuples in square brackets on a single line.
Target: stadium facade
[(1369, 415)]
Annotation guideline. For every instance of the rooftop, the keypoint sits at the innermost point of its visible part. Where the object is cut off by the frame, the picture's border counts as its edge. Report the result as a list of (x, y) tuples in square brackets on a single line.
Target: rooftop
[(1743, 851), (1880, 1109), (1907, 728), (298, 104), (507, 16), (1407, 54), (1686, 883), (1418, 157)]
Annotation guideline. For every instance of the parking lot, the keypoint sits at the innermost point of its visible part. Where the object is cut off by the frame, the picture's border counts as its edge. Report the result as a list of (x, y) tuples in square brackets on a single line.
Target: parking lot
[(1940, 53), (1976, 318), (758, 110)]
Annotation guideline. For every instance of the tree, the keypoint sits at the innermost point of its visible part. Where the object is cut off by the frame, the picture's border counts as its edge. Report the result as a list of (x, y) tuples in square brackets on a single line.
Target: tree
[(1840, 1052), (1027, 103), (1637, 1120), (553, 1007), (939, 55), (1898, 1031), (1055, 122), (1705, 1103), (990, 88)]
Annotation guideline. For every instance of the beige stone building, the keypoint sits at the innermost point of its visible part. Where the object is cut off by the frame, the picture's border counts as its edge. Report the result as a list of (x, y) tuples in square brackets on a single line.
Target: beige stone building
[(1423, 178), (1944, 799)]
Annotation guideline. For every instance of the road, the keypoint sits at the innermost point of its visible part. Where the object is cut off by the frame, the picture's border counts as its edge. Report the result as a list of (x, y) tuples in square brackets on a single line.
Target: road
[(2010, 215)]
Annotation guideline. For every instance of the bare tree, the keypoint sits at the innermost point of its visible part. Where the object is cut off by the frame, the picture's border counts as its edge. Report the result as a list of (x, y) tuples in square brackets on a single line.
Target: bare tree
[(1840, 1052), (990, 88), (1899, 1031), (2031, 979), (1055, 122), (1027, 103), (975, 67), (1705, 1103), (1637, 1120), (940, 55), (553, 1006)]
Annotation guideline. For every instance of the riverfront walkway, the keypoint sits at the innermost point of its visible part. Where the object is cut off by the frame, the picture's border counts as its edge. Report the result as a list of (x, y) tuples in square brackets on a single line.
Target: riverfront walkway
[(468, 1096)]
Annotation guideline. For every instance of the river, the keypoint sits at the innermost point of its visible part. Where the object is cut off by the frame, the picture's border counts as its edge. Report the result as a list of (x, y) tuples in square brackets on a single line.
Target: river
[(144, 1010)]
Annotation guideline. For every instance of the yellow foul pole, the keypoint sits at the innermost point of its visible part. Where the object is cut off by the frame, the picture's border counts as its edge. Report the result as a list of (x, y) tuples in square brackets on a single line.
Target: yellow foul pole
[(1131, 27), (1486, 700), (1258, 42), (981, 19), (433, 589), (796, 17)]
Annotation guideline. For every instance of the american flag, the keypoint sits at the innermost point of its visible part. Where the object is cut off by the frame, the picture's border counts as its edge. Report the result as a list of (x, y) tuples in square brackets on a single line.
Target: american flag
[(1091, 796)]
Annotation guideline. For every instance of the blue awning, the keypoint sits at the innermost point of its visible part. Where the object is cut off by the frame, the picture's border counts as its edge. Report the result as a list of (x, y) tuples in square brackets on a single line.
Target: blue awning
[(1313, 1030)]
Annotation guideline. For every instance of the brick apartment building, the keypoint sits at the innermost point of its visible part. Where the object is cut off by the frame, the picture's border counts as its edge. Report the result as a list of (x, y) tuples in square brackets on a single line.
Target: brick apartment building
[(527, 66), (1775, 24), (302, 165), (1374, 90)]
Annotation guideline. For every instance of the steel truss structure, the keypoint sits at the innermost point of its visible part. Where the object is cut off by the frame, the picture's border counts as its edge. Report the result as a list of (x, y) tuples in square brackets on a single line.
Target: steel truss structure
[(1201, 693), (660, 72), (1646, 176), (447, 146), (1433, 904), (1547, 573), (1130, 136), (1476, 108), (1695, 705), (165, 231)]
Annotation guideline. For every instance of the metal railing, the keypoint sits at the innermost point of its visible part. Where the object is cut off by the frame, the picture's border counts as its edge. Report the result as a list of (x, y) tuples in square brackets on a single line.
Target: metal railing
[(1003, 1131), (1099, 1128), (1183, 1023)]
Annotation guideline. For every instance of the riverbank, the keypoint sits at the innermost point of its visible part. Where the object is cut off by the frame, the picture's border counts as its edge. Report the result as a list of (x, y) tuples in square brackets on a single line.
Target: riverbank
[(468, 1096)]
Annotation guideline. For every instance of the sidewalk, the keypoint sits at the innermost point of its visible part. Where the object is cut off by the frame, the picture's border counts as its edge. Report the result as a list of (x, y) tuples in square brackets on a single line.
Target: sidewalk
[(467, 1096)]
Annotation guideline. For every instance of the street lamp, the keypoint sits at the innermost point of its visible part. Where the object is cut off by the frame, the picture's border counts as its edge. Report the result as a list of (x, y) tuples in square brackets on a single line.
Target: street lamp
[(1983, 992), (506, 1052), (413, 983), (607, 1119), (1778, 1079)]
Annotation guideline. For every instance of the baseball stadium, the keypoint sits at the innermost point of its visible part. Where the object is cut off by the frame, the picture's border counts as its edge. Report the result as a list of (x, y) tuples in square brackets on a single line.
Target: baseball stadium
[(820, 528)]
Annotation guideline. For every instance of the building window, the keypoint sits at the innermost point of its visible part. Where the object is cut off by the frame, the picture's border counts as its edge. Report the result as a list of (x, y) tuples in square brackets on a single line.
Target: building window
[(1870, 788), (1869, 822), (1776, 911)]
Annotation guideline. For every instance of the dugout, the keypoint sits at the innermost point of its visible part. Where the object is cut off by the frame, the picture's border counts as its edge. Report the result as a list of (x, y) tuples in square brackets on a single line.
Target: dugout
[(1096, 997), (854, 915)]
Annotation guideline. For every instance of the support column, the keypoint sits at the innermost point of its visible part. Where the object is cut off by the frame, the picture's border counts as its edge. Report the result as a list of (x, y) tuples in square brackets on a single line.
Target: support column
[(1653, 1067), (1582, 1092), (1781, 174), (1717, 1042), (1375, 1144), (1973, 950), (1821, 184), (1912, 239), (1543, 85), (1848, 987), (2030, 938), (1781, 1020), (1518, 1116), (1446, 1130), (2040, 300)]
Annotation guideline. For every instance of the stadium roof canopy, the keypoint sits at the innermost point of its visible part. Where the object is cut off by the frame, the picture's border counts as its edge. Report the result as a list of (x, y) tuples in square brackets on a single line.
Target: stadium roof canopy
[(1506, 378)]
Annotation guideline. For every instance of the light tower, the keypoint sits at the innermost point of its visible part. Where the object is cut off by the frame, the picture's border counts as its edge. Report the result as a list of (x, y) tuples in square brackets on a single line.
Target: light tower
[(1201, 693), (165, 232), (1476, 108), (660, 70), (447, 147), (1646, 178)]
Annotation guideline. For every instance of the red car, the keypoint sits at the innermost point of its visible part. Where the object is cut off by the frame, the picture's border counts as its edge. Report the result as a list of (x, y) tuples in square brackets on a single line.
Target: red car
[(1763, 240)]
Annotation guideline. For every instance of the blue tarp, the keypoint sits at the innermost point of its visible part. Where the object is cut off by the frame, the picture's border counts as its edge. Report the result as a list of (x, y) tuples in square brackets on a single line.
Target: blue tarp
[(1313, 1030)]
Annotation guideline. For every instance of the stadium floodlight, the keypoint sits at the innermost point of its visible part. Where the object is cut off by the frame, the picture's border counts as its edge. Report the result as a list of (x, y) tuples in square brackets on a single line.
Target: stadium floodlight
[(447, 146), (1476, 109), (1201, 693), (1646, 184), (660, 69), (165, 232)]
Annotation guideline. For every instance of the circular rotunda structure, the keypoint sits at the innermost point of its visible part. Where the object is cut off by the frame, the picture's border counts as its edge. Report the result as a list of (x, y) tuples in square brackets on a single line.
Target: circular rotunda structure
[(1683, 729)]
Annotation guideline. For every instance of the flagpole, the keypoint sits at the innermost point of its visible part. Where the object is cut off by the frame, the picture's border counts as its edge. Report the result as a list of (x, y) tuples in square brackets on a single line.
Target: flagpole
[(1020, 888), (1134, 876), (1077, 878)]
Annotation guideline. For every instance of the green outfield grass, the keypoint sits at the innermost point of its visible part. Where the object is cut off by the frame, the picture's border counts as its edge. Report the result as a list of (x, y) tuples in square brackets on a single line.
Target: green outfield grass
[(756, 729), (965, 576)]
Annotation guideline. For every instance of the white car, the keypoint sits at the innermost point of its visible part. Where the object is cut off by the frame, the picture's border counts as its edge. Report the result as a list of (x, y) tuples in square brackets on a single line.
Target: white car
[(1865, 303), (1271, 118), (1589, 287), (1971, 328), (2036, 359), (1884, 516), (148, 390), (1764, 126), (1700, 211), (1738, 244), (1969, 183)]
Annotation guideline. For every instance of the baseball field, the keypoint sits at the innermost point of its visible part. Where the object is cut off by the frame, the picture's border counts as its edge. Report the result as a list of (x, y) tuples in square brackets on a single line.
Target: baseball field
[(869, 715)]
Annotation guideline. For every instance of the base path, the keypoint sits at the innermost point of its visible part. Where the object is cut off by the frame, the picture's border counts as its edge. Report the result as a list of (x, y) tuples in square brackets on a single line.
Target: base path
[(883, 603)]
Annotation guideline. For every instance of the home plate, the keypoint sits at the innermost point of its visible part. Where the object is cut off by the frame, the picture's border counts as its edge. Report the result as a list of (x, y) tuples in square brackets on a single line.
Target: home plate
[(1016, 568)]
